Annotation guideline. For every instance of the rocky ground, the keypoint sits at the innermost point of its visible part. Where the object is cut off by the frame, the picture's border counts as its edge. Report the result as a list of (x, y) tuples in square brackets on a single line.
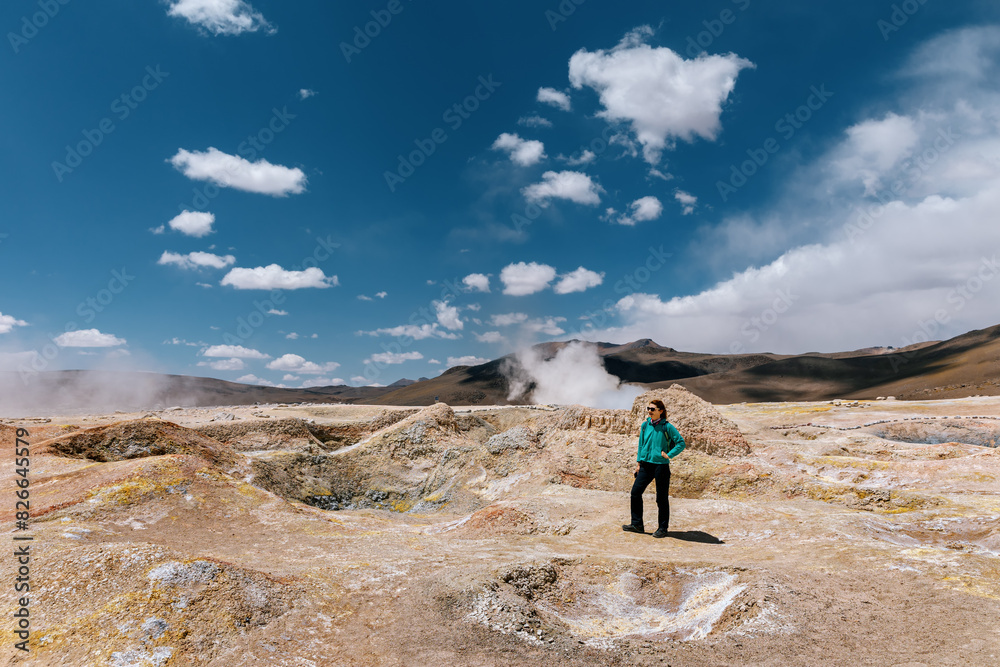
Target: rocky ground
[(802, 533)]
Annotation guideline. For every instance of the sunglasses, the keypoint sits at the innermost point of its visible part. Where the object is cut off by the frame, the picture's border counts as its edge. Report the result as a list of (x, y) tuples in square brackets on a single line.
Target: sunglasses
[(653, 409)]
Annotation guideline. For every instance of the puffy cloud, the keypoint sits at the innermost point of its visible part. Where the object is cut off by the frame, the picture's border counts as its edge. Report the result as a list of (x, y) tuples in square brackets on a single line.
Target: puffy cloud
[(381, 295), (469, 360), (507, 319), (477, 282), (578, 281), (323, 382), (414, 331), (274, 277), (556, 98), (88, 338), (393, 357), (220, 17), (447, 316), (8, 322), (196, 260), (292, 336), (253, 379), (233, 364), (534, 121), (663, 96), (193, 223), (642, 210), (521, 151), (232, 171), (687, 201), (234, 351), (305, 93), (521, 279), (545, 325), (586, 157), (293, 363), (275, 311), (572, 185), (490, 337), (873, 147)]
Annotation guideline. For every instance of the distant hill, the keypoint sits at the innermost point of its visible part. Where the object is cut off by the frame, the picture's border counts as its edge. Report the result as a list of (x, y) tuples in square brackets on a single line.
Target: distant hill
[(962, 366)]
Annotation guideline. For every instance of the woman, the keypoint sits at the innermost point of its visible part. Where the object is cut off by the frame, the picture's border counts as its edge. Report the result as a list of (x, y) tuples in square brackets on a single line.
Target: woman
[(659, 442)]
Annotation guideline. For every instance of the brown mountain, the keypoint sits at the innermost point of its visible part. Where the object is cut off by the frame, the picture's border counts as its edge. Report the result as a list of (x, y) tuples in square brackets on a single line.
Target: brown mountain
[(962, 366)]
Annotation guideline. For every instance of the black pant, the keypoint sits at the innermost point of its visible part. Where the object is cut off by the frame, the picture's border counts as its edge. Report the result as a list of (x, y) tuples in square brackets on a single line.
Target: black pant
[(647, 473)]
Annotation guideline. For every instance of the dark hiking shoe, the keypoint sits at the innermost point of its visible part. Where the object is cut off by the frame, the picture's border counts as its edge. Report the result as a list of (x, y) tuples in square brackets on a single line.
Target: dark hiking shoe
[(660, 533), (629, 528)]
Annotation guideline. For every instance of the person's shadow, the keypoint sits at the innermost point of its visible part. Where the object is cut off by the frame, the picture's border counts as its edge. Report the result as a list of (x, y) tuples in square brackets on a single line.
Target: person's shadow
[(694, 536)]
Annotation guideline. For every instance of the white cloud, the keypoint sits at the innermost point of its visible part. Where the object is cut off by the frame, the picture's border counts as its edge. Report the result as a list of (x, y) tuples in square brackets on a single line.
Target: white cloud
[(477, 282), (292, 336), (469, 360), (534, 121), (433, 361), (544, 325), (447, 316), (381, 295), (288, 377), (687, 201), (180, 341), (554, 97), (322, 382), (641, 210), (490, 337), (88, 338), (293, 363), (192, 223), (273, 277), (233, 364), (232, 171), (663, 96), (586, 157), (507, 319), (873, 147), (578, 281), (521, 151), (656, 173), (521, 279), (8, 322), (253, 379), (234, 351), (306, 93), (572, 185), (275, 311), (364, 297), (414, 331), (393, 357), (196, 260), (220, 17)]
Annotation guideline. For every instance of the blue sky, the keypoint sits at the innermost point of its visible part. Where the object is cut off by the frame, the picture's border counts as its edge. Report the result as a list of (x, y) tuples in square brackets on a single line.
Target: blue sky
[(321, 193)]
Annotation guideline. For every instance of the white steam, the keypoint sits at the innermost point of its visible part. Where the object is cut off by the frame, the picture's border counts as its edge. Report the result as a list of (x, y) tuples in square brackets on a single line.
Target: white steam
[(575, 375)]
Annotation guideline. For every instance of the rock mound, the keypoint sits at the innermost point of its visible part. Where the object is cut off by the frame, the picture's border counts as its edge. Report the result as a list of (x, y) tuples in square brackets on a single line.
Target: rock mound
[(701, 425), (260, 434), (578, 417), (138, 438)]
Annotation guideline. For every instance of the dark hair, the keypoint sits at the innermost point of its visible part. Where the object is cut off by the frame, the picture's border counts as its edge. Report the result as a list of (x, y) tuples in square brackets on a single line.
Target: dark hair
[(662, 408)]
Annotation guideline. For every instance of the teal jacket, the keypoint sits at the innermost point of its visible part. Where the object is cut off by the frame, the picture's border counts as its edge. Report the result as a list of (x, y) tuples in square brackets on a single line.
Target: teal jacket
[(654, 438)]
